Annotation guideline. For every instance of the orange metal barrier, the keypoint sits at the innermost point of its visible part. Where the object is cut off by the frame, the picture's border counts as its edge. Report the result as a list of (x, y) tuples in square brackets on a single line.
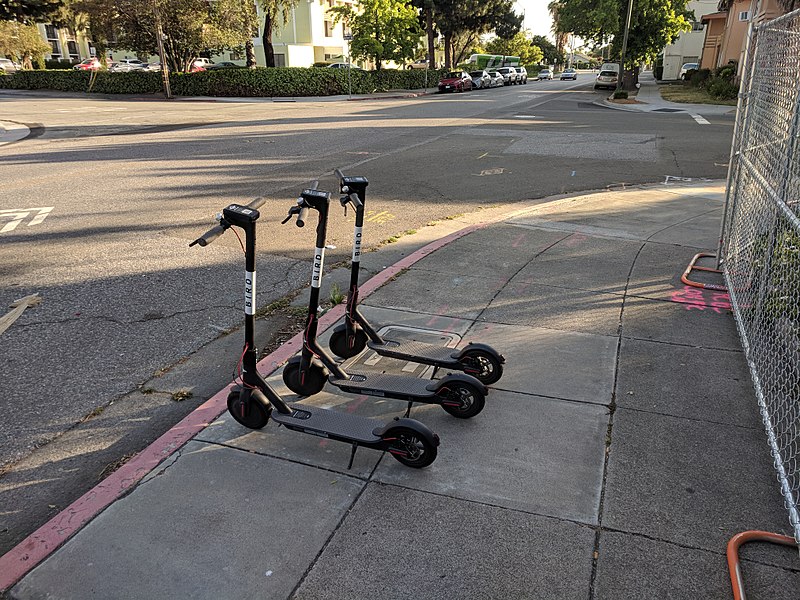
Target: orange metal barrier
[(733, 555)]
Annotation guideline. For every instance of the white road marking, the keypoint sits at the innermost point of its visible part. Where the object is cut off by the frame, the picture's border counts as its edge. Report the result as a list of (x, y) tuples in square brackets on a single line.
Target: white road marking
[(18, 215), (700, 119)]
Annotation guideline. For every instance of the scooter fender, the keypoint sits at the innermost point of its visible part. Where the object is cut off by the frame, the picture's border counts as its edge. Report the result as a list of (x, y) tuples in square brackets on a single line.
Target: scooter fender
[(295, 360), (412, 424), (436, 385), (458, 354), (344, 327)]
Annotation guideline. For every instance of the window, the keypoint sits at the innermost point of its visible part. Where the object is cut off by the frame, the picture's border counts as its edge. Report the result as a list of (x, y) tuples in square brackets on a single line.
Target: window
[(280, 60), (328, 29), (744, 15), (72, 48), (52, 32), (697, 26), (55, 49)]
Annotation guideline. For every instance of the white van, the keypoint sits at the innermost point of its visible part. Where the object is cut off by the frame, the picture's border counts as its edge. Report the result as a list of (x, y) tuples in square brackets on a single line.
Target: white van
[(610, 67)]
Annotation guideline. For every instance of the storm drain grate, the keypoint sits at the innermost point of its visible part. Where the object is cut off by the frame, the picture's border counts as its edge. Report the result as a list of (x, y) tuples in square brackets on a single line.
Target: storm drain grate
[(668, 110)]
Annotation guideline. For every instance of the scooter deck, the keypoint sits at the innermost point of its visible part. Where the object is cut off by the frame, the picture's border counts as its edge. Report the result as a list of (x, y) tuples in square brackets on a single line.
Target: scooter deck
[(387, 385), (416, 352), (330, 423)]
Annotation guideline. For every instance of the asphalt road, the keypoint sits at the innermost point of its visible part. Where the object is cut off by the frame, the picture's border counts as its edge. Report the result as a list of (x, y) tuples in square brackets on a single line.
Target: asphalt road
[(122, 186)]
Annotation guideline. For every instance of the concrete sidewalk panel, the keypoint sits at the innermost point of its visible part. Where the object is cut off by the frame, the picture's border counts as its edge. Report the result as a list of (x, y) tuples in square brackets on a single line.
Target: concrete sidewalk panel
[(700, 232), (210, 525), (695, 383), (635, 567), (657, 272), (525, 303), (522, 452), (454, 295), (689, 482), (584, 262), (397, 543), (382, 317), (693, 323), (557, 364)]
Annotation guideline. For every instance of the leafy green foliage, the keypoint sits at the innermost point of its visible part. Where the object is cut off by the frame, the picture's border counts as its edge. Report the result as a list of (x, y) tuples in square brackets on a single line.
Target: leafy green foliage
[(620, 95), (552, 55), (22, 42), (382, 29), (28, 11), (277, 82), (519, 45)]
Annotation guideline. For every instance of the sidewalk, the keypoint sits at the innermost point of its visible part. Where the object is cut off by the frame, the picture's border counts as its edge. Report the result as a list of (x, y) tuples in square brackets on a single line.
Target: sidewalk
[(650, 100), (619, 452)]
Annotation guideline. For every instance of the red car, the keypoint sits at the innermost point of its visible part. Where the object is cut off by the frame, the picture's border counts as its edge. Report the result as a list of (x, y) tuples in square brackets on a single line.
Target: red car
[(455, 81), (90, 64)]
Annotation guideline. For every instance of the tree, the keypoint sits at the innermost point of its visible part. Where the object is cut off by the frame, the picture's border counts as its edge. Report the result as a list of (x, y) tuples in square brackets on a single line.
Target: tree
[(28, 11), (462, 22), (552, 55), (276, 14), (382, 29), (190, 27), (654, 23), (519, 45), (560, 31), (22, 42)]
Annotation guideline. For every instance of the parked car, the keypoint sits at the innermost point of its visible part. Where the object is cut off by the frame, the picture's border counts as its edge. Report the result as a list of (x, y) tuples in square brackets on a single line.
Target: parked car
[(606, 79), (418, 64), (7, 66), (455, 81), (545, 74), (685, 68), (90, 64), (569, 74), (481, 79), (156, 66), (223, 65), (509, 75), (497, 79), (344, 66), (522, 75), (128, 64)]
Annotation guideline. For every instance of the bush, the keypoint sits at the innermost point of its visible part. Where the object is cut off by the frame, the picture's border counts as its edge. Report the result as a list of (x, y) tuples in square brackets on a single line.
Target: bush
[(728, 72), (620, 95), (698, 77), (721, 89), (277, 82)]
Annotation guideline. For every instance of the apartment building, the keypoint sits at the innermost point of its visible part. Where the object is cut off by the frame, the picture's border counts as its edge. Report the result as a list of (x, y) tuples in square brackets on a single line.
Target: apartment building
[(688, 48)]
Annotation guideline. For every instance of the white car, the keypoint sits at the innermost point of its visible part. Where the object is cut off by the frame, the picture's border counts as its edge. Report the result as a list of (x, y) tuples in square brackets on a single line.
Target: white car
[(7, 66), (128, 64), (497, 79), (509, 75), (545, 74), (687, 67)]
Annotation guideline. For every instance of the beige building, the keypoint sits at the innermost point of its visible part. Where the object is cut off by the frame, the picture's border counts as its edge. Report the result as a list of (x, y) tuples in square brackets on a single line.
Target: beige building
[(689, 45), (726, 31)]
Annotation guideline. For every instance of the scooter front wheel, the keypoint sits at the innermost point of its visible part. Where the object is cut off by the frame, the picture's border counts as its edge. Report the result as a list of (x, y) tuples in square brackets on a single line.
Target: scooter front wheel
[(410, 448), (482, 365), (252, 415), (462, 400), (304, 383), (347, 346)]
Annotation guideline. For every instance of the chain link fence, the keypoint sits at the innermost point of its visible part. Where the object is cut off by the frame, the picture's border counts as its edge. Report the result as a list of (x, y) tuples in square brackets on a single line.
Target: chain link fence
[(760, 247)]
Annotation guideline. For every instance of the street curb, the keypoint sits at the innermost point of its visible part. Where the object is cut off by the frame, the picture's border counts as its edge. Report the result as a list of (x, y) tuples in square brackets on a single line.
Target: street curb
[(11, 131), (607, 104)]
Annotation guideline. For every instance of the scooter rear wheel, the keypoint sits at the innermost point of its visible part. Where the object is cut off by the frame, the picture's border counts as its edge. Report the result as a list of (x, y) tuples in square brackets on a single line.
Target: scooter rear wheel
[(340, 344), (304, 384), (462, 400), (410, 448), (254, 416), (482, 365)]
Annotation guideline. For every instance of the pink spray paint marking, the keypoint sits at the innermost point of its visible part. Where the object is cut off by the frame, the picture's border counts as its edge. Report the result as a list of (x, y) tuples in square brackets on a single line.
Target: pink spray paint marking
[(695, 299)]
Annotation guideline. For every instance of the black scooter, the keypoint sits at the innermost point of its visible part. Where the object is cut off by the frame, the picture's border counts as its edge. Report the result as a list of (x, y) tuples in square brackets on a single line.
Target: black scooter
[(251, 403), (351, 337), (460, 395)]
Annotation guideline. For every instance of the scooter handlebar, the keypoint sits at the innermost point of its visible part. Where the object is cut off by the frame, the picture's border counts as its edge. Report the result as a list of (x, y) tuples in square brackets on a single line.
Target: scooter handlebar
[(209, 236), (302, 216), (257, 203)]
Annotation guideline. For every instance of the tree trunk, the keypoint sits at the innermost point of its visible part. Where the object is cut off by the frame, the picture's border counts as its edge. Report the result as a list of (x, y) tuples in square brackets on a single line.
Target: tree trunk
[(429, 30), (250, 53), (266, 39), (447, 49)]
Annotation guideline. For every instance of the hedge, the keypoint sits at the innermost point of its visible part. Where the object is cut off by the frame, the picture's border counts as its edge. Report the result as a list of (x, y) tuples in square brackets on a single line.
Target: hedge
[(276, 82)]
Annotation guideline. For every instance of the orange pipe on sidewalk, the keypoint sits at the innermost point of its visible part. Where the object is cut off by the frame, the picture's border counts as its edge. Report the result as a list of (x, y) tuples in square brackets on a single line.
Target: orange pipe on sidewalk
[(693, 267), (733, 555)]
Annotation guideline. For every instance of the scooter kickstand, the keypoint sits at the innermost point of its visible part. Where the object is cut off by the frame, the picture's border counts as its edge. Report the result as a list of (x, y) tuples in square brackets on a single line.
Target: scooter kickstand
[(352, 455), (408, 410)]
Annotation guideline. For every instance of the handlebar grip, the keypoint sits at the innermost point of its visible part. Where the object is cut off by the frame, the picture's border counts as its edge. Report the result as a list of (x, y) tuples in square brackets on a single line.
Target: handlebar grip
[(257, 203), (209, 236), (338, 173), (356, 200), (302, 216)]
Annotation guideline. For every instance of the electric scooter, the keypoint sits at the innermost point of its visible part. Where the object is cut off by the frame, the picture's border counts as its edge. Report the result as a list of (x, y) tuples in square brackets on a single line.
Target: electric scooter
[(251, 402), (461, 395), (351, 337)]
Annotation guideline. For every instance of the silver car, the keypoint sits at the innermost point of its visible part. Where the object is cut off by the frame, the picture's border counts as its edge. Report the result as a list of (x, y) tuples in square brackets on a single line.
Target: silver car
[(7, 66), (480, 80), (497, 79), (128, 64), (509, 75)]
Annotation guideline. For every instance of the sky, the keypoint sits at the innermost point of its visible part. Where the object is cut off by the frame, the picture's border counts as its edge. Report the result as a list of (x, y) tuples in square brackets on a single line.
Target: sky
[(537, 17)]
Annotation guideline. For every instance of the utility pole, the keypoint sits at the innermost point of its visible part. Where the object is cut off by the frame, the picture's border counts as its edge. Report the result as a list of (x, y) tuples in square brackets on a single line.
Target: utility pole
[(160, 41), (624, 46)]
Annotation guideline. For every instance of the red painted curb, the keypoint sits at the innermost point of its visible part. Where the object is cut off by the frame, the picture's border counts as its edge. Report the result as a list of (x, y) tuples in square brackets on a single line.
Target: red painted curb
[(17, 562)]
